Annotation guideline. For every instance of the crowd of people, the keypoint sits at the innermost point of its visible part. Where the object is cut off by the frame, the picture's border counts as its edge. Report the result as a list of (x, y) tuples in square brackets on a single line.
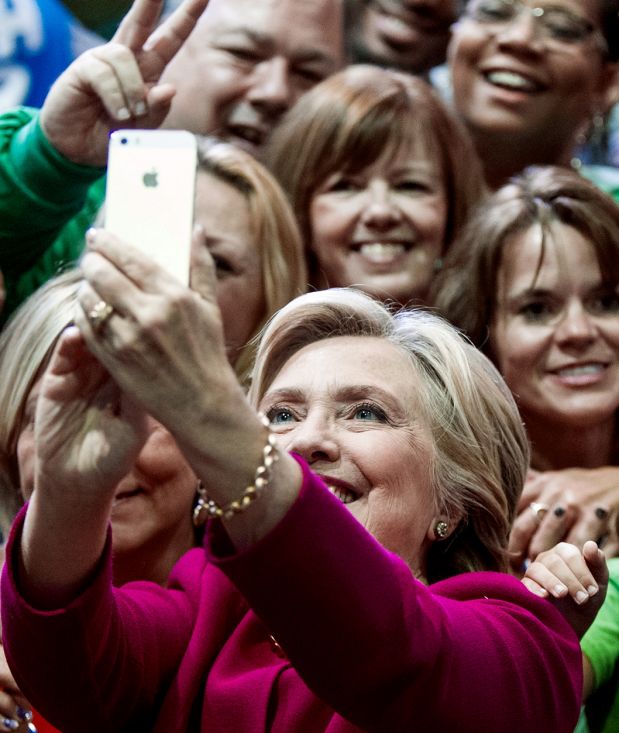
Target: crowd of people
[(362, 472)]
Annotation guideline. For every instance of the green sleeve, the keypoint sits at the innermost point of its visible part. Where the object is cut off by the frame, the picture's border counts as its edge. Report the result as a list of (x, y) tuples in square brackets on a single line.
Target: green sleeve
[(40, 190), (604, 177), (601, 646), (46, 204), (601, 642)]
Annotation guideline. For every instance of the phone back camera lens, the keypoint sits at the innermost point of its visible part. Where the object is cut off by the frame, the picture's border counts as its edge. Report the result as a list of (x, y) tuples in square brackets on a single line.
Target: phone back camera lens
[(123, 141)]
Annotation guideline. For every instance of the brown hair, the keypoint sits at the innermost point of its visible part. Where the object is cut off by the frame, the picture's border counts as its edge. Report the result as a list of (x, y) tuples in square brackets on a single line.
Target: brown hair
[(348, 121), (465, 291)]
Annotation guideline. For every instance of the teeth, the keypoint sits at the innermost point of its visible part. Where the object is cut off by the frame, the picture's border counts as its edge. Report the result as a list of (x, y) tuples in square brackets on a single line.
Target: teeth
[(579, 371), (381, 251), (344, 495), (512, 80)]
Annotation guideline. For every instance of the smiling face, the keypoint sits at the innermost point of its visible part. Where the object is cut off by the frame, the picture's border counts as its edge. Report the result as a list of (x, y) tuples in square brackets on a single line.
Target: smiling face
[(509, 81), (247, 62), (408, 34), (556, 336), (358, 423), (382, 229), (224, 213)]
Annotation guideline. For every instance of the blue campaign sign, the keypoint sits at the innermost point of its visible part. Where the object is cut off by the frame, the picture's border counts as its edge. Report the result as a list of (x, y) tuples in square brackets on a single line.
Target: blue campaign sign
[(35, 46)]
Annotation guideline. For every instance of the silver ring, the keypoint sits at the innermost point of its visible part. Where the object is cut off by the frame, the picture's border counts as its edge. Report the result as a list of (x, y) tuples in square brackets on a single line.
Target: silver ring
[(99, 315), (539, 510)]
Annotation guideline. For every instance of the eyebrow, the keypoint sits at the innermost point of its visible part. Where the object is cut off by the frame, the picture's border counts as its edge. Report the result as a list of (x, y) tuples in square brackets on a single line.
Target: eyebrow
[(341, 394), (265, 41)]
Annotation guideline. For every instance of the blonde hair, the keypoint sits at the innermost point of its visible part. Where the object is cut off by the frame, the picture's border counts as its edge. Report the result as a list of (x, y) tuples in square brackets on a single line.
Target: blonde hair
[(275, 230), (481, 452), (27, 340), (349, 120), (26, 343)]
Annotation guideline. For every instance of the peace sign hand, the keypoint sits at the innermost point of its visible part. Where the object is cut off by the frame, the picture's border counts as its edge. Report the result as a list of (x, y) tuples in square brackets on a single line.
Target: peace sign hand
[(117, 85)]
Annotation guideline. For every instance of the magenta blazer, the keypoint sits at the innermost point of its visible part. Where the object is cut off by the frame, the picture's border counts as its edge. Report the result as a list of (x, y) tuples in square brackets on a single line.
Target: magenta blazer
[(361, 645)]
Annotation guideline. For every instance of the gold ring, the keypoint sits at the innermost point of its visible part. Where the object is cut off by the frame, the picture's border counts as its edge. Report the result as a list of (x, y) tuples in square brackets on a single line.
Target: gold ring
[(539, 510), (99, 315)]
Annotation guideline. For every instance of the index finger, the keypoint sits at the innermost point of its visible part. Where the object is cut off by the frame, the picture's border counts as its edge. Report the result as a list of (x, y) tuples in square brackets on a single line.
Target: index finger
[(164, 42), (137, 25), (138, 29)]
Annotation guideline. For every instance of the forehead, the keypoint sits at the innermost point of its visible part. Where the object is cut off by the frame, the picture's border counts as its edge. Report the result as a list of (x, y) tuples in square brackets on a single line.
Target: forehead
[(285, 23), (224, 213), (344, 361), (417, 149), (564, 256)]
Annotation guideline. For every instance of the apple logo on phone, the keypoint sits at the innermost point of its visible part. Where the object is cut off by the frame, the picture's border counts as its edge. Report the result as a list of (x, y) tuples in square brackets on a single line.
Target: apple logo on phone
[(150, 179)]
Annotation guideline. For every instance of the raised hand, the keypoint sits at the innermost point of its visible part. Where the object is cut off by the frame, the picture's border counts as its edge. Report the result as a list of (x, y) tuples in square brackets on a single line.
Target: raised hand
[(117, 85), (164, 341), (575, 581)]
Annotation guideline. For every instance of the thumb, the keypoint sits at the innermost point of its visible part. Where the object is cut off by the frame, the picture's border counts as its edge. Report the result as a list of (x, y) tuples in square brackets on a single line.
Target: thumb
[(596, 562), (158, 100)]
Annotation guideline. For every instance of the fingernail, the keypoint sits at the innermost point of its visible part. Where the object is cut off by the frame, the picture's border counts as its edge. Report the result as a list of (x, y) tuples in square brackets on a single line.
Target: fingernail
[(123, 114), (91, 235), (10, 724), (23, 714), (601, 513), (559, 590), (581, 597), (140, 108), (592, 590), (559, 511)]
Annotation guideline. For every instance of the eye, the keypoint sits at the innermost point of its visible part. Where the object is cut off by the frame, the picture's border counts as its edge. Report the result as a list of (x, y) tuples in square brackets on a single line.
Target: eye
[(344, 185), (492, 11), (223, 266), (605, 303), (243, 53), (309, 75), (280, 416), (566, 27), (411, 185), (367, 411), (537, 311)]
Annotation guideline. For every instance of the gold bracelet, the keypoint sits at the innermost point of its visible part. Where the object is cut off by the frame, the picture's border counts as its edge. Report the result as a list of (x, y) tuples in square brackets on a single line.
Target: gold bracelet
[(206, 507)]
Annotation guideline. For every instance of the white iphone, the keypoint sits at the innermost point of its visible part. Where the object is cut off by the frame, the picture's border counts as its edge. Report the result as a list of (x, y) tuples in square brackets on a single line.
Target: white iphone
[(150, 193)]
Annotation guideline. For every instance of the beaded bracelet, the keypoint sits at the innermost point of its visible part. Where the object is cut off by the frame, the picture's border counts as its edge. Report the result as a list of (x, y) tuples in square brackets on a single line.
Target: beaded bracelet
[(206, 507)]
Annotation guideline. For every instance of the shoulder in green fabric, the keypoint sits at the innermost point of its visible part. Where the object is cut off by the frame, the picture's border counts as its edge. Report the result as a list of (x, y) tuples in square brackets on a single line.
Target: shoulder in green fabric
[(46, 204), (601, 645), (604, 177)]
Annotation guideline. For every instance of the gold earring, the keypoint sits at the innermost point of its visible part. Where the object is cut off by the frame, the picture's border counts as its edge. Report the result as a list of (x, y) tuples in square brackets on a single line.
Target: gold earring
[(200, 511)]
